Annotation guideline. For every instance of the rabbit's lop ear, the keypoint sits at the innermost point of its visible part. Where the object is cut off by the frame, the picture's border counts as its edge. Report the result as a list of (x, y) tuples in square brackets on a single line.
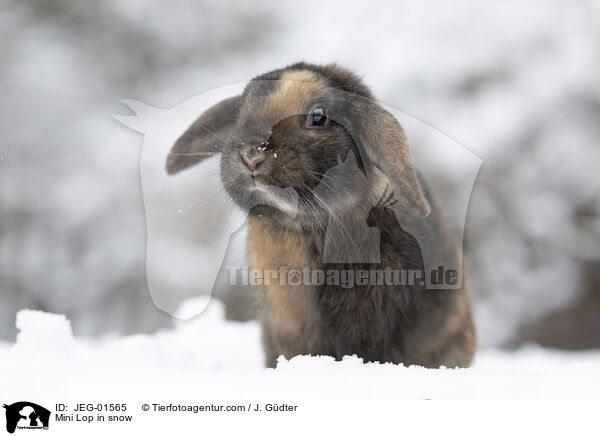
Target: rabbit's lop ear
[(205, 136), (385, 144)]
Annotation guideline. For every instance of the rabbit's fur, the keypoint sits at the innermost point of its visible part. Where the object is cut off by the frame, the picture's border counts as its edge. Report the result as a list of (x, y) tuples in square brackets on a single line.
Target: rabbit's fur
[(302, 214)]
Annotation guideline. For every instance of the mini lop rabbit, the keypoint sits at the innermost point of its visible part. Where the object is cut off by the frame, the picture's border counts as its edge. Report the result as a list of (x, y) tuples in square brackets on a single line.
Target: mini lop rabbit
[(314, 159)]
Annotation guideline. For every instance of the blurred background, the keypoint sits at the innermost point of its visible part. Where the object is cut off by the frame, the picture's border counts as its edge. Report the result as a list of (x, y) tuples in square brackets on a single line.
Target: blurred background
[(516, 83)]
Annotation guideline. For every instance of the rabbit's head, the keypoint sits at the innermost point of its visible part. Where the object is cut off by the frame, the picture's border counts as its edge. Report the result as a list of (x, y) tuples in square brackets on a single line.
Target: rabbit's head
[(314, 129)]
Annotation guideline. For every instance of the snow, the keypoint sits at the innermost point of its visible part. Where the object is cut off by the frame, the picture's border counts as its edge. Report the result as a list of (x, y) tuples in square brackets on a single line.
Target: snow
[(211, 358)]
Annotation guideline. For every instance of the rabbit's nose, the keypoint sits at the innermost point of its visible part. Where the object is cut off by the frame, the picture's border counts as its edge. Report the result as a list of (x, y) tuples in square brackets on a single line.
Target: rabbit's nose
[(253, 160)]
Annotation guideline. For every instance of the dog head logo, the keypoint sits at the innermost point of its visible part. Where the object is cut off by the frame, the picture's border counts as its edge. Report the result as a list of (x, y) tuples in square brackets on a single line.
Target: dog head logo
[(26, 415)]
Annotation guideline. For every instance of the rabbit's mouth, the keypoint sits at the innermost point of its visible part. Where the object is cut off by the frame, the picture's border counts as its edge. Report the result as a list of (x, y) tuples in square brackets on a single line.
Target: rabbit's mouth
[(261, 181), (283, 199)]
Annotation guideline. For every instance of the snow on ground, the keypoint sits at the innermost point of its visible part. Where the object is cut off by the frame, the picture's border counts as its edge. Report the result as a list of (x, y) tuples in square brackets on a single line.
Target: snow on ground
[(208, 358)]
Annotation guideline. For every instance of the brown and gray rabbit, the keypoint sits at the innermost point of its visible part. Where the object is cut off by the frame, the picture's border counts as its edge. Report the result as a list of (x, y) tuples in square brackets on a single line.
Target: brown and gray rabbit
[(295, 128)]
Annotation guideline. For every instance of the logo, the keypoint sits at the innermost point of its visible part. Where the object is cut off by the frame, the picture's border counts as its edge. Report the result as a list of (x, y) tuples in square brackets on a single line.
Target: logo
[(26, 415), (372, 184)]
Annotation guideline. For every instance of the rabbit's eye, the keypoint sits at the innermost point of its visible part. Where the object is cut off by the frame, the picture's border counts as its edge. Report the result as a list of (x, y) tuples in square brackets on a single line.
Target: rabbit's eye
[(317, 118)]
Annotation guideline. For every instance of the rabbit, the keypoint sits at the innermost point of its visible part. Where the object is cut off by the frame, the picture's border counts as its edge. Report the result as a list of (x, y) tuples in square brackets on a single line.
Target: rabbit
[(317, 163)]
